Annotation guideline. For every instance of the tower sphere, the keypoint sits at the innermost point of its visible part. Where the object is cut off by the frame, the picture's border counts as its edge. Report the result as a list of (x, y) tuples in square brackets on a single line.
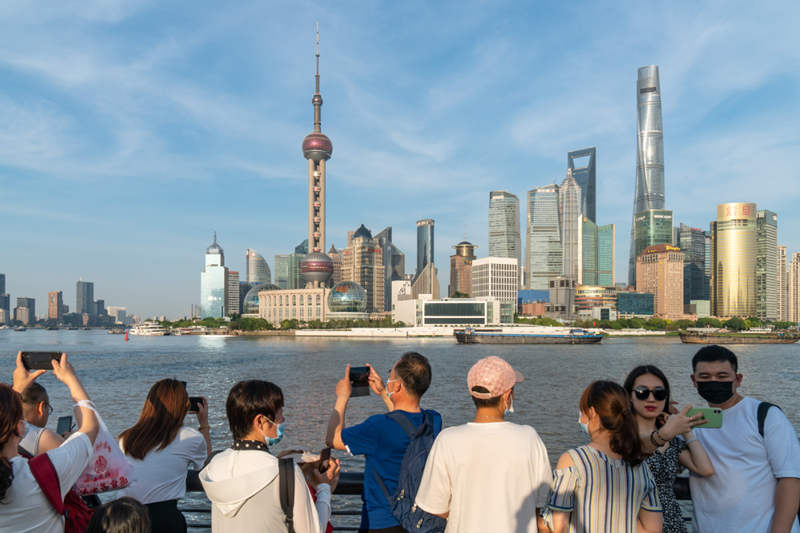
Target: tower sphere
[(316, 266), (317, 146)]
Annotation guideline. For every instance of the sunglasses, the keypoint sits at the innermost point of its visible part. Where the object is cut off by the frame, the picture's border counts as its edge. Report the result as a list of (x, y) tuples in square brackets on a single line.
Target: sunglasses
[(642, 393)]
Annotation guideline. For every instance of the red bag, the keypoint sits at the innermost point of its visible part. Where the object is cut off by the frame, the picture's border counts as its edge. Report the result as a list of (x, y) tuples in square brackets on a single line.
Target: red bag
[(76, 513)]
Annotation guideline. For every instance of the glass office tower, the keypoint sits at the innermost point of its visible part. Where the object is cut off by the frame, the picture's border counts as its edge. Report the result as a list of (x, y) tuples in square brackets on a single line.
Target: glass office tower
[(733, 283), (504, 237), (84, 298), (569, 196), (256, 268), (651, 227), (424, 244), (767, 265), (213, 282), (692, 242), (598, 254), (586, 177), (543, 237), (649, 192)]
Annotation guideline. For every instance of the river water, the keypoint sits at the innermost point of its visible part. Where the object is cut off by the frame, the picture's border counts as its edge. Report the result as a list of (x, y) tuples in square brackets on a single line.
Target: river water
[(118, 374)]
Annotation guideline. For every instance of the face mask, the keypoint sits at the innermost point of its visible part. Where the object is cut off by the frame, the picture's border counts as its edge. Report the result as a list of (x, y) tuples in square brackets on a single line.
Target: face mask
[(716, 392), (584, 427), (272, 441), (510, 407)]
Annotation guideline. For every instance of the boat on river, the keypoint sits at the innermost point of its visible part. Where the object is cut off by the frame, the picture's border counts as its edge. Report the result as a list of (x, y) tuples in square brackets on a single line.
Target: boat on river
[(149, 329), (692, 337), (489, 336)]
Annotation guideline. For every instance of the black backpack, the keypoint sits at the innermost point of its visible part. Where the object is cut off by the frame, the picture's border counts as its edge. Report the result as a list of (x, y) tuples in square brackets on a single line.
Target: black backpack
[(286, 488), (412, 518)]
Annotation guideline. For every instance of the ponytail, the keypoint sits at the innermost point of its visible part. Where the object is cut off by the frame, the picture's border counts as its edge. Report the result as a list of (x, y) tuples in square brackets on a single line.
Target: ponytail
[(613, 406), (10, 415)]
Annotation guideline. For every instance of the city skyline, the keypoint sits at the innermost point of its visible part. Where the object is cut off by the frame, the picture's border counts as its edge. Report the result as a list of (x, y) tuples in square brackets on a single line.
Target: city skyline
[(143, 146)]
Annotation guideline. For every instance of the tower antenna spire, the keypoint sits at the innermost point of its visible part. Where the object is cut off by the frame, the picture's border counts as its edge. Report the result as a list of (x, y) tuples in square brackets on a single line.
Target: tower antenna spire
[(316, 49)]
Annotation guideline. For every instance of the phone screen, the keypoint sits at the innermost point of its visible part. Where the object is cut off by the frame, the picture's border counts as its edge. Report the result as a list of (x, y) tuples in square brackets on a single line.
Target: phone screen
[(194, 403), (359, 379), (64, 424), (324, 459), (39, 360)]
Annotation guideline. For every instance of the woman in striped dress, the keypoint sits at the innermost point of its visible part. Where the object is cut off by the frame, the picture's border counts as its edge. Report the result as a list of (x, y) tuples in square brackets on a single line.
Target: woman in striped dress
[(604, 486)]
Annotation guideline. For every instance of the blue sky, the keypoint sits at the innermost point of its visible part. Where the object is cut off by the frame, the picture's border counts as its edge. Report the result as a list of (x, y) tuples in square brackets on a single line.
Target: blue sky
[(129, 131)]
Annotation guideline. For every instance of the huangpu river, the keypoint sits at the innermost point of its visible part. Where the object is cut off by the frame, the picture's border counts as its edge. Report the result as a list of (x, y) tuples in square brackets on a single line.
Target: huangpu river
[(118, 374)]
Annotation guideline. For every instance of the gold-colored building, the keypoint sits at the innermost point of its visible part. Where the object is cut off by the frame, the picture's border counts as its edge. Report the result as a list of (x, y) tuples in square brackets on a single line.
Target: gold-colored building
[(733, 260), (461, 269), (659, 271)]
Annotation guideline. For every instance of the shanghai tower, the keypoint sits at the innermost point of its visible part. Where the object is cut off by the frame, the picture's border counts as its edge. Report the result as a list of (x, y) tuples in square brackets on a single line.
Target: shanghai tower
[(649, 154)]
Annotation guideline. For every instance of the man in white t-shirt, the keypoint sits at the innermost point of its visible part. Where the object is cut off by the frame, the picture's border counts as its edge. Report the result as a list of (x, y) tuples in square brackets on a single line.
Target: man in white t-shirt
[(756, 487), (488, 474)]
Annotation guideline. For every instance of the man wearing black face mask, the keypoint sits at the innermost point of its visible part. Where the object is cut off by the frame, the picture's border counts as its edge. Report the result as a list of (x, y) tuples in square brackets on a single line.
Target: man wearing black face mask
[(756, 487)]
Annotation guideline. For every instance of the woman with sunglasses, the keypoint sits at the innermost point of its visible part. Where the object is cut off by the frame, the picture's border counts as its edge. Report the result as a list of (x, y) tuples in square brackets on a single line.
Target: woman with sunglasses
[(649, 392)]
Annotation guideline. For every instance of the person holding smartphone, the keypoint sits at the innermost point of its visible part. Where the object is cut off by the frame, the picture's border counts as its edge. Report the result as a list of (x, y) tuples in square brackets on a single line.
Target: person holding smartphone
[(23, 504), (756, 487), (36, 409), (161, 449), (649, 391)]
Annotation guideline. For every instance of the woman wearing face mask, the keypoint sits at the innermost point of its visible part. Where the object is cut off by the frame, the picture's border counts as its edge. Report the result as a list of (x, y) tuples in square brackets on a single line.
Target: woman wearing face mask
[(648, 389), (161, 449), (242, 482), (604, 486)]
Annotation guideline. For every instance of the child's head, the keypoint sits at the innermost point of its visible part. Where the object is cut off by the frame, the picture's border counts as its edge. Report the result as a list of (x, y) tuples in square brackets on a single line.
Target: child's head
[(124, 515)]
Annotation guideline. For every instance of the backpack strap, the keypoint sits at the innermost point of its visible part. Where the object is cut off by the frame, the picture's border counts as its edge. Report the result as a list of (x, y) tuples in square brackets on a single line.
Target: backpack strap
[(286, 486), (761, 415), (46, 476), (411, 430)]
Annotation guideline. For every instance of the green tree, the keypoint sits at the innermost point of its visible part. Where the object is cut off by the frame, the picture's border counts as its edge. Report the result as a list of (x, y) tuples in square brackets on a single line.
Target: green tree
[(735, 324), (459, 295), (708, 322), (655, 324)]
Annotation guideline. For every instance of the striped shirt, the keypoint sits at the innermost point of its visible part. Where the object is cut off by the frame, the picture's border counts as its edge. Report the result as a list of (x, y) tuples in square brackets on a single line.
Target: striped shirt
[(602, 494)]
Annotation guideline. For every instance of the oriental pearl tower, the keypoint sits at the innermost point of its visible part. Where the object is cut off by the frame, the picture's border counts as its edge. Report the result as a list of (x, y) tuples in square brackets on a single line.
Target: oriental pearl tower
[(317, 267)]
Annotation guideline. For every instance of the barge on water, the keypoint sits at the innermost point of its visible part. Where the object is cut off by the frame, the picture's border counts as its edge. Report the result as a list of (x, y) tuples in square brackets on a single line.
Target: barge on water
[(488, 336), (737, 338)]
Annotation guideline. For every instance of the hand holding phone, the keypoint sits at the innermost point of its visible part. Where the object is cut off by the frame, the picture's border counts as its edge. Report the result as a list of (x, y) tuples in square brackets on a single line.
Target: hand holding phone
[(324, 460), (359, 380), (39, 360), (194, 403), (64, 425), (712, 416)]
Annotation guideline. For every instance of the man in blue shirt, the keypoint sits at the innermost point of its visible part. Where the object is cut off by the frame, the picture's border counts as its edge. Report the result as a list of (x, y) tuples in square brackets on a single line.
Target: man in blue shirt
[(381, 440)]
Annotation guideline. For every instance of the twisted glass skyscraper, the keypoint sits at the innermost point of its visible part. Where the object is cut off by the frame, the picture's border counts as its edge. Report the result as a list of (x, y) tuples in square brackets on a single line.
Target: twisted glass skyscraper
[(649, 154)]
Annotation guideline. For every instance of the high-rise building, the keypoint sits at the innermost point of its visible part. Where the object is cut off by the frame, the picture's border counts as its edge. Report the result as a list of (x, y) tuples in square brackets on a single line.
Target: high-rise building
[(659, 271), (569, 196), (586, 177), (84, 298), (733, 277), (281, 264), (316, 267), (362, 263), (496, 277), (232, 305), (2, 283), (793, 281), (649, 193), (256, 268), (783, 287), (766, 265), (336, 260), (5, 308), (543, 237), (394, 264), (100, 307), (692, 242), (461, 269), (118, 313), (597, 254), (28, 306), (55, 303), (424, 244), (504, 238), (651, 227), (213, 282)]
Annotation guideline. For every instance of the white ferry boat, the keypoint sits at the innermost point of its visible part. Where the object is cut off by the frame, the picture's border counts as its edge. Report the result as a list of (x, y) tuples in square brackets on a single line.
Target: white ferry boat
[(149, 329)]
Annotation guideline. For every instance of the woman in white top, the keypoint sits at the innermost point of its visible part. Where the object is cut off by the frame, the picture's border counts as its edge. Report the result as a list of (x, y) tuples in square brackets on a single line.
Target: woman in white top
[(161, 449), (23, 505)]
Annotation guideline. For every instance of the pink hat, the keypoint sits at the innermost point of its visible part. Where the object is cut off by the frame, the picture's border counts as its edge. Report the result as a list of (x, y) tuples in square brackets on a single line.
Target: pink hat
[(493, 374)]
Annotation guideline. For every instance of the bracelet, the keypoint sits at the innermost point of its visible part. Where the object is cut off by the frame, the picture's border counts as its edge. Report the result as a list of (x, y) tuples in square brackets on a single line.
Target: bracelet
[(201, 428), (688, 442), (653, 436)]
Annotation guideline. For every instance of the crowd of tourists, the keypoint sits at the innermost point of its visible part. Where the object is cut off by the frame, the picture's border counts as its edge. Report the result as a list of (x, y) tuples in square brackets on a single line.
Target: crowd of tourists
[(486, 475)]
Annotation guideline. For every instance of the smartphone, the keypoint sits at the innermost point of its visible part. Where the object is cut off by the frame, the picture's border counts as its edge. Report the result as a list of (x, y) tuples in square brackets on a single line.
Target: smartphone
[(39, 360), (713, 416), (359, 379), (64, 424), (324, 460), (194, 403)]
